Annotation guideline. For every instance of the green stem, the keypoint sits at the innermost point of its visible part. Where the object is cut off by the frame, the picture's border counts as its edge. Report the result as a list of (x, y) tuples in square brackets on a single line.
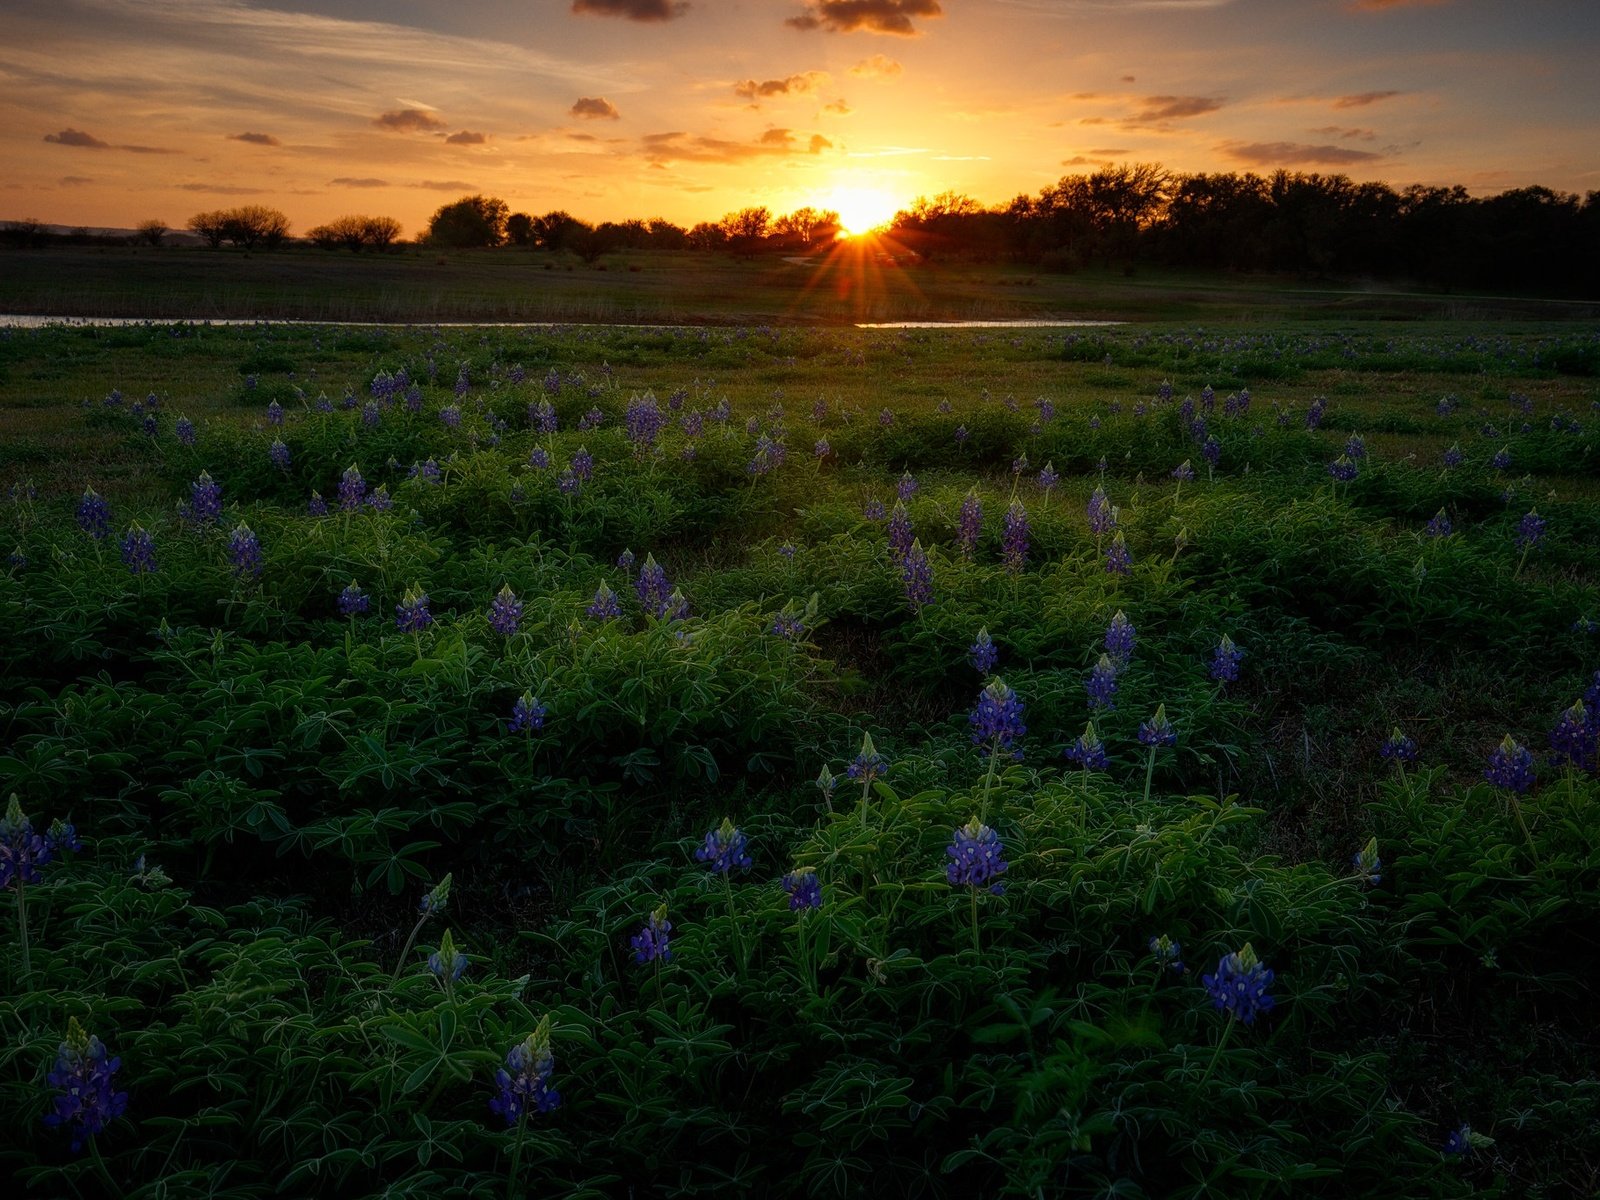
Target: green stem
[(22, 933), (988, 781), (1149, 773), (974, 890), (516, 1157), (415, 929), (1516, 808), (733, 922), (1227, 1031)]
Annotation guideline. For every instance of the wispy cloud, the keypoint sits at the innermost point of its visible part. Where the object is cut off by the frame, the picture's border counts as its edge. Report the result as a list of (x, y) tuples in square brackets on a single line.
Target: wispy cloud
[(347, 181), (878, 66), (410, 120), (594, 108), (632, 10), (77, 137), (74, 180), (793, 85), (1296, 154), (872, 16), (1170, 108), (255, 139), (466, 137), (1348, 134), (221, 189), (1363, 99), (444, 185), (678, 146), (1380, 5)]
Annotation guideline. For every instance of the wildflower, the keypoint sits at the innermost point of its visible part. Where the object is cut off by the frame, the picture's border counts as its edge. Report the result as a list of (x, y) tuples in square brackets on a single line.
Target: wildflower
[(205, 500), (1573, 740), (906, 487), (523, 1084), (1342, 469), (804, 888), (316, 506), (724, 849), (652, 587), (1158, 731), (278, 454), (1102, 517), (975, 861), (185, 431), (1355, 447), (1459, 1142), (583, 464), (1239, 985), (352, 489), (983, 652), (868, 764), (969, 523), (22, 851), (653, 941), (1530, 529), (1183, 472), (353, 601), (244, 550), (505, 612), (1167, 953), (899, 531), (94, 514), (1102, 684), (1120, 638), (826, 781), (916, 575), (1439, 526), (787, 550), (604, 606), (88, 1099), (447, 960), (1398, 747), (1211, 451), (643, 421), (961, 435), (1014, 538), (527, 715), (1048, 477), (138, 550), (1368, 865), (788, 625), (411, 615), (1225, 661), (676, 608), (568, 483), (1019, 464), (1118, 560), (885, 418), (1510, 766), (873, 510), (1454, 457), (821, 448), (1501, 460), (625, 561), (1088, 751)]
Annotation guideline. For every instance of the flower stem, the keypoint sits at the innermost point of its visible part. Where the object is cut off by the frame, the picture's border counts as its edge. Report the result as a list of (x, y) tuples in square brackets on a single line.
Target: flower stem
[(974, 890), (1149, 773), (415, 929), (516, 1157), (1227, 1031), (22, 933)]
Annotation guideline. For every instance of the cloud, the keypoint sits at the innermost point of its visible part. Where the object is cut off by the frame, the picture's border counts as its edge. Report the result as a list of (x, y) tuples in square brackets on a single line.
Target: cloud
[(77, 137), (873, 16), (594, 108), (146, 149), (1127, 79), (1362, 99), (466, 137), (1167, 108), (879, 66), (678, 146), (1380, 5), (221, 189), (796, 85), (409, 120), (1340, 131), (347, 181), (632, 10), (838, 108), (255, 139), (1107, 151), (1296, 154), (444, 185), (74, 180)]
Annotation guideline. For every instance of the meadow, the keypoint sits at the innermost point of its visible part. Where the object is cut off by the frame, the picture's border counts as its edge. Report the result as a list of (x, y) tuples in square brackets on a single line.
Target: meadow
[(1152, 761)]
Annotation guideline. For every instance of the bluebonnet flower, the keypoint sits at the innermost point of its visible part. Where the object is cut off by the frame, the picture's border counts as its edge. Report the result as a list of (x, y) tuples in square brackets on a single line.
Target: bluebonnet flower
[(447, 961), (463, 381), (969, 523), (1211, 451), (138, 550), (583, 464), (16, 560), (244, 551), (1459, 1141), (826, 781), (542, 416), (975, 861), (625, 561), (804, 889), (205, 500), (724, 849), (316, 506), (1439, 526), (652, 588), (997, 720), (906, 487), (1501, 460), (643, 421), (1530, 529), (371, 414), (1355, 447), (1314, 414), (1088, 751), (94, 514), (527, 715), (1225, 661), (1369, 867), (654, 940), (1239, 985), (1454, 457), (352, 489), (983, 652), (1167, 953), (1208, 398), (1398, 747), (1120, 638), (411, 615), (1343, 470), (1591, 695), (592, 419), (916, 575), (604, 606), (1574, 737), (961, 434), (523, 1084), (1118, 560), (185, 431), (868, 764), (23, 851), (1014, 538), (873, 510), (353, 601), (274, 413), (1158, 731), (1048, 478), (428, 472), (538, 458), (505, 612), (88, 1100), (450, 414), (788, 625), (1183, 472), (1102, 684), (787, 550), (1019, 464), (821, 448), (278, 454), (379, 500), (899, 531), (885, 418), (1510, 766)]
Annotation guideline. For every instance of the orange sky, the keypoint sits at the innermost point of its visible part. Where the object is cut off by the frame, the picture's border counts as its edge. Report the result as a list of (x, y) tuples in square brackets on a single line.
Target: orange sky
[(114, 111)]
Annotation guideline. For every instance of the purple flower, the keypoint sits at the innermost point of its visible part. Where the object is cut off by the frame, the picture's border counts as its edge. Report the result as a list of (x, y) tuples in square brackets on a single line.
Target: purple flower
[(652, 587), (1211, 451), (997, 720), (523, 1084), (975, 861), (1118, 560), (1088, 751), (316, 506), (379, 500), (527, 715), (1048, 478), (604, 606), (1501, 459), (983, 652), (788, 625), (505, 612), (653, 941), (1343, 470), (244, 552), (138, 550), (1454, 457), (1158, 731), (821, 448), (88, 1100), (969, 524), (450, 414), (205, 500), (625, 561), (353, 601), (899, 531), (453, 963), (22, 851), (1120, 638), (1398, 747), (1355, 447), (538, 458), (643, 421), (1510, 766), (907, 486), (1102, 684), (1439, 526), (278, 454), (185, 431), (1225, 661), (1183, 472), (568, 483), (542, 416), (1574, 737), (274, 413), (804, 889), (916, 575), (1014, 538), (885, 418), (411, 615), (583, 464), (94, 514), (352, 489), (1530, 529), (724, 849), (1369, 867), (1239, 985), (868, 765), (1167, 953), (961, 434), (1459, 1142), (873, 510)]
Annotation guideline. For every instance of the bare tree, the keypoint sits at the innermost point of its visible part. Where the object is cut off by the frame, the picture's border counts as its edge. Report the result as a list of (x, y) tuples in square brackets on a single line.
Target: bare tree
[(150, 232)]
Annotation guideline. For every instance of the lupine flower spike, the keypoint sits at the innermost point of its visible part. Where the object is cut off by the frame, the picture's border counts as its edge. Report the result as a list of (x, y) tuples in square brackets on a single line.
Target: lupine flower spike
[(1511, 767), (447, 964), (826, 782), (522, 1086), (1225, 661), (1120, 638), (505, 612), (432, 904), (868, 766), (1167, 953), (1239, 986), (604, 606), (1155, 733), (87, 1099), (724, 849), (1369, 867), (1088, 751), (974, 853), (982, 653), (1398, 748), (653, 942)]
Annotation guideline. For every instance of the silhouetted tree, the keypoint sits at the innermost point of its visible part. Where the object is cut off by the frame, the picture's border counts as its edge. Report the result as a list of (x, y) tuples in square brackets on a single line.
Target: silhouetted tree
[(356, 232), (745, 231), (805, 228), (519, 229), (210, 226), (468, 223), (150, 232)]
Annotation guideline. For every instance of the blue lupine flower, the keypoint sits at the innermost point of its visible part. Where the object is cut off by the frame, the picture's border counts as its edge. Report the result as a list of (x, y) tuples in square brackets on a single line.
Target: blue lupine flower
[(1355, 447), (1501, 460), (1530, 529), (1314, 414), (821, 449), (455, 964), (1239, 985), (1048, 477), (983, 653), (724, 849), (1369, 867), (505, 612), (868, 765), (1454, 457), (1102, 684), (1183, 472), (873, 510), (906, 487), (316, 506), (1211, 451), (1510, 766), (1158, 731), (625, 561), (1014, 538), (88, 1100), (379, 500), (653, 941), (184, 428), (1118, 560), (804, 888), (916, 575), (899, 532), (1343, 469), (353, 601), (997, 720), (138, 550), (604, 606), (1439, 526), (643, 420), (278, 454), (1120, 638), (527, 715), (1399, 747), (205, 500), (411, 615), (568, 483), (1573, 739), (1459, 1142), (961, 434), (583, 464), (1102, 517), (1088, 751), (885, 418), (1167, 953), (787, 625), (1225, 660), (352, 489), (523, 1084), (244, 552), (975, 861), (274, 413), (969, 523), (94, 514), (652, 587), (22, 851)]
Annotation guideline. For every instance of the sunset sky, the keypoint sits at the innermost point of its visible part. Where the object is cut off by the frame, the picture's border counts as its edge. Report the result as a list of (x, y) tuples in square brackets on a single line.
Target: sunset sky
[(114, 111)]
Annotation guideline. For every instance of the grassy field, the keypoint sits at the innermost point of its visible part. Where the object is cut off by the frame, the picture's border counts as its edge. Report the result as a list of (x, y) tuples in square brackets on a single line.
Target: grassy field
[(851, 284), (1394, 525)]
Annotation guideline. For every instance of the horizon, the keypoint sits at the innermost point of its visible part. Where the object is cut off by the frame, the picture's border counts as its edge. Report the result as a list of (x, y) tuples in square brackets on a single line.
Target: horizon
[(120, 111)]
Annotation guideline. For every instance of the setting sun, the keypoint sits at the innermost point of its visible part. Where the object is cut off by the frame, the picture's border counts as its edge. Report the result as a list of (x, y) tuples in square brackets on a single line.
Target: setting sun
[(861, 209)]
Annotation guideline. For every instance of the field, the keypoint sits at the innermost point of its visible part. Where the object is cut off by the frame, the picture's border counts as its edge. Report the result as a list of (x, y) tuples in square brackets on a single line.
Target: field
[(1153, 761)]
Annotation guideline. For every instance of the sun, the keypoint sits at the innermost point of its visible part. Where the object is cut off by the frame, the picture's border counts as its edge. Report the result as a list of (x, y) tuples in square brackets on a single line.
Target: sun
[(861, 209)]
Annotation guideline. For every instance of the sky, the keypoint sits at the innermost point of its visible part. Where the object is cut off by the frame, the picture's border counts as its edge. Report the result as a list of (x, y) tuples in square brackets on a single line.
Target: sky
[(117, 111)]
